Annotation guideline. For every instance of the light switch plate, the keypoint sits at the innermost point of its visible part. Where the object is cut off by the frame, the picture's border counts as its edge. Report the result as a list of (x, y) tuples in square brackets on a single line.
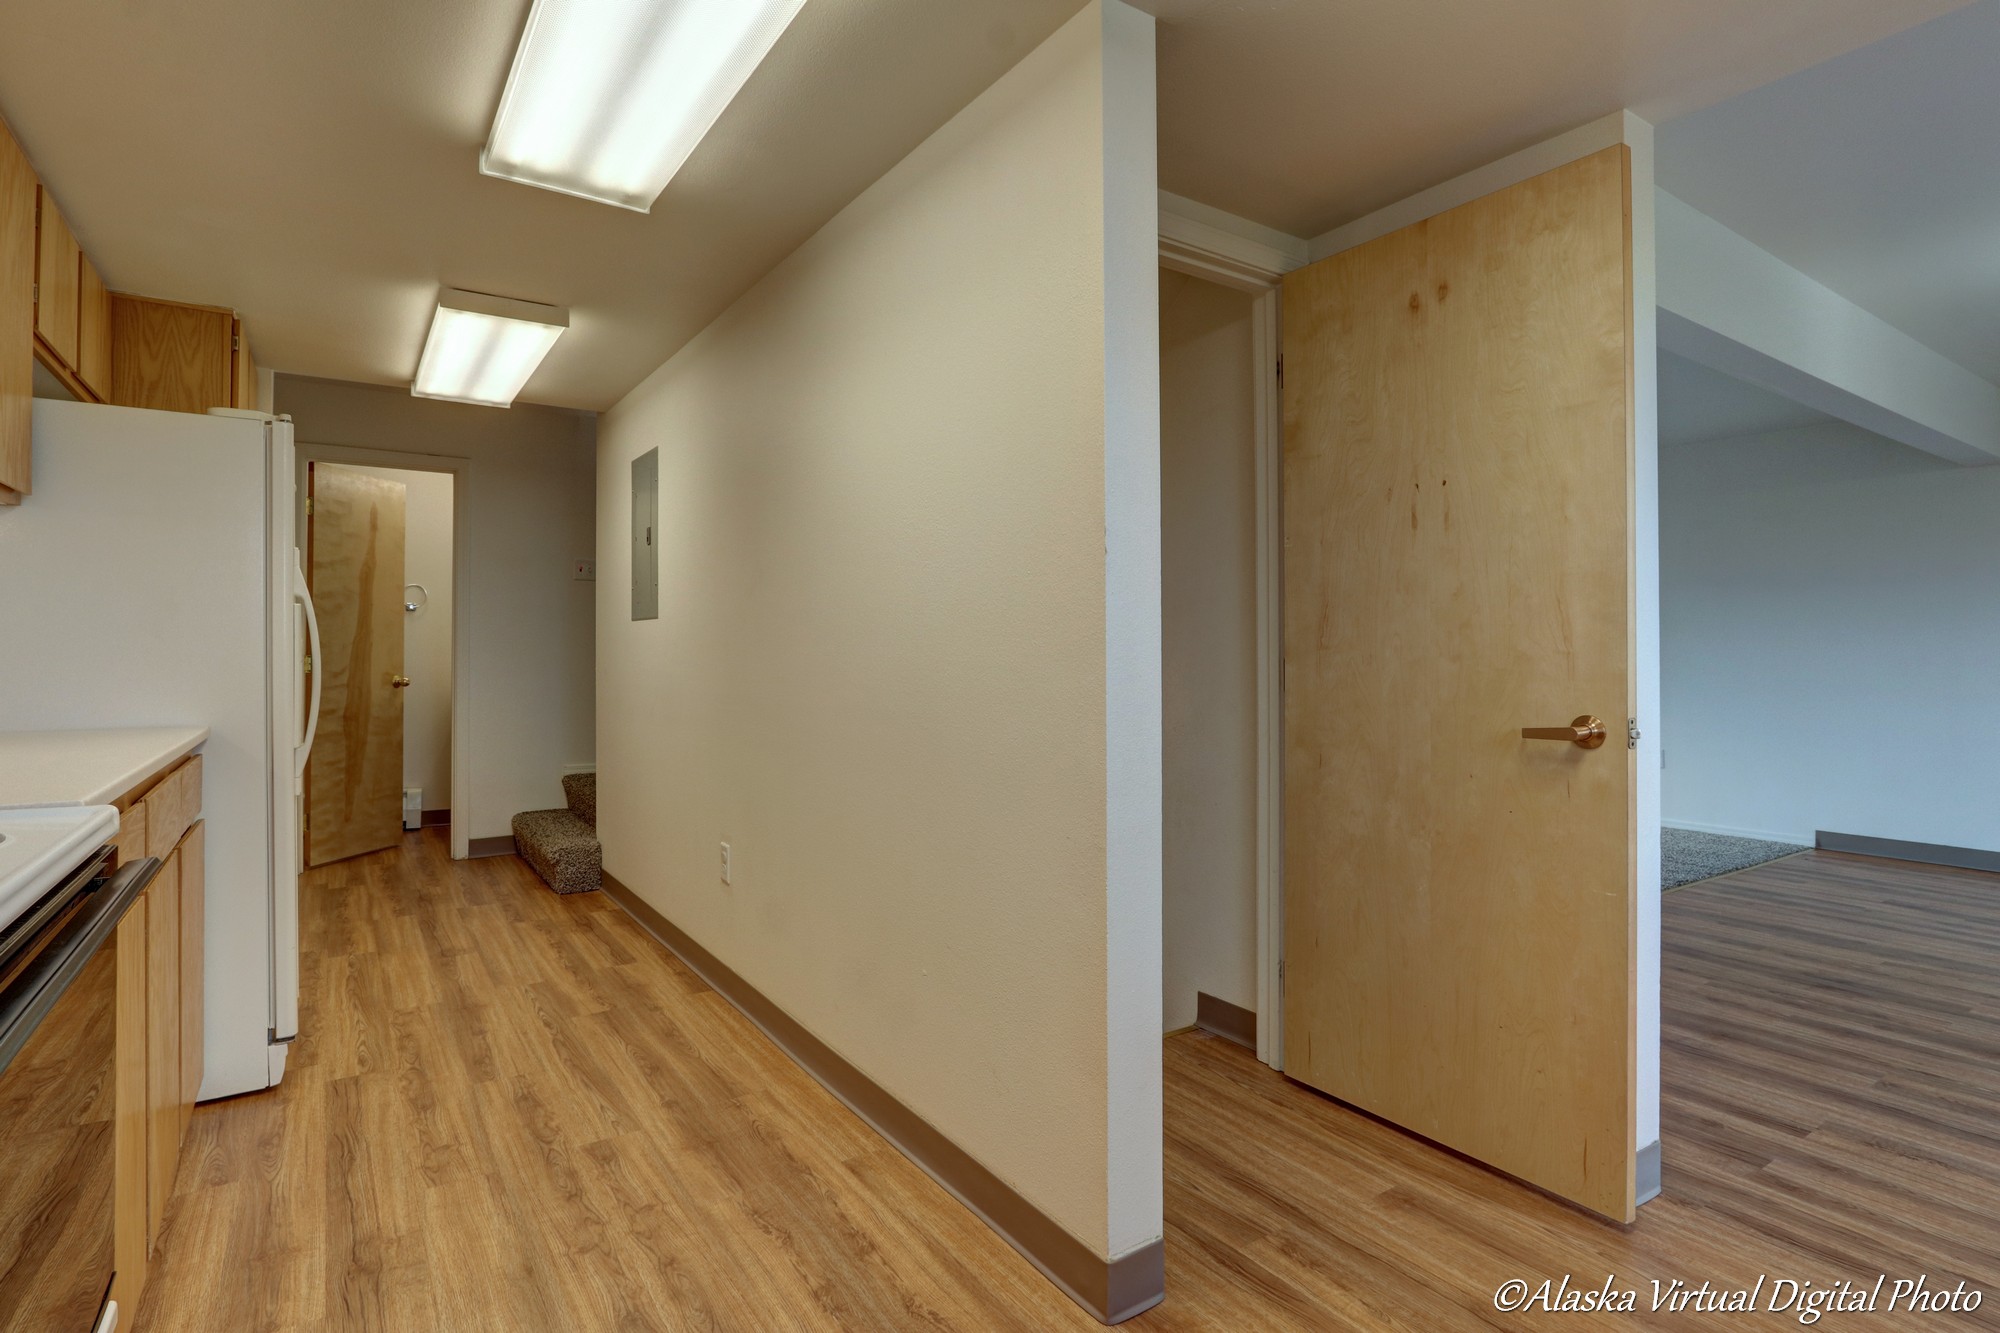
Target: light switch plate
[(585, 571)]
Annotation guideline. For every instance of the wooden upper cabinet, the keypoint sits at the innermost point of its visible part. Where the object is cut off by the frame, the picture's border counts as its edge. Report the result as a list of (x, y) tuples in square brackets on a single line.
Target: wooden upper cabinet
[(17, 319), (169, 356), (58, 271), (93, 332), (243, 379)]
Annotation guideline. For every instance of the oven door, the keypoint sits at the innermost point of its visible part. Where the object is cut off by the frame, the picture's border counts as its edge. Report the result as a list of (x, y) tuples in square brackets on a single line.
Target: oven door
[(58, 1051)]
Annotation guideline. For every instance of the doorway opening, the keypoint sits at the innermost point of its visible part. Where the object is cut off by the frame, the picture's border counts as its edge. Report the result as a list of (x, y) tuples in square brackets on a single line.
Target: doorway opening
[(1222, 652), (380, 546)]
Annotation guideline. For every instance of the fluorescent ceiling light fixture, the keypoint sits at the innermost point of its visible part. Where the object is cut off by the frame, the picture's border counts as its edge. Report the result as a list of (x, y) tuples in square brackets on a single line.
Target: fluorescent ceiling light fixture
[(607, 98), (482, 348)]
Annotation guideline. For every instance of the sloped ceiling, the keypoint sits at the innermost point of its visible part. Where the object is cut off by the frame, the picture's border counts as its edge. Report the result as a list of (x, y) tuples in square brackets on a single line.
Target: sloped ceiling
[(1877, 174)]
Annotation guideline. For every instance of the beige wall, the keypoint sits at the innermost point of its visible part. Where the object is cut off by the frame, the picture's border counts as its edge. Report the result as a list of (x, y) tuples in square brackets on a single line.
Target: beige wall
[(907, 495), (426, 632), (1208, 522), (529, 515)]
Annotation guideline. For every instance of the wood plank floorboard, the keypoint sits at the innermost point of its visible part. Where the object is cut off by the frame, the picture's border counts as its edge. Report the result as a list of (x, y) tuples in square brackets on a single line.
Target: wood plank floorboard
[(514, 1111)]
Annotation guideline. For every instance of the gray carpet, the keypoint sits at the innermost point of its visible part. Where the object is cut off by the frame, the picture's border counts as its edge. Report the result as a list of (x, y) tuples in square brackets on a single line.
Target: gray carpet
[(1686, 856)]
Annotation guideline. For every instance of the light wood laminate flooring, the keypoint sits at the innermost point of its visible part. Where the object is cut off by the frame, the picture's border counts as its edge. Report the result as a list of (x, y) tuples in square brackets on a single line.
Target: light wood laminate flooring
[(510, 1110)]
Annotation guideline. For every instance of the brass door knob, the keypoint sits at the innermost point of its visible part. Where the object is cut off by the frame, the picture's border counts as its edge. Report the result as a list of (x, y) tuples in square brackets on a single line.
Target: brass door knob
[(1585, 732), (403, 682)]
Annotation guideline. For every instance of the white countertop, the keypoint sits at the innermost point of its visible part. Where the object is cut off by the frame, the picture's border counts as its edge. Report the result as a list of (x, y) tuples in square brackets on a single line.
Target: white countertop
[(41, 848), (86, 767)]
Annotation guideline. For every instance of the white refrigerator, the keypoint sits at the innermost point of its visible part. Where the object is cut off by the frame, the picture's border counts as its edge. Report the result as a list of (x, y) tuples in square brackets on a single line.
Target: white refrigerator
[(153, 579)]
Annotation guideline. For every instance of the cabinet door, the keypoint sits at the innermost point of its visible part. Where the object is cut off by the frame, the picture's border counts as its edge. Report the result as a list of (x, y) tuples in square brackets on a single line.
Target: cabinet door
[(163, 1043), (174, 358), (130, 1136), (93, 332), (58, 270), (243, 388), (193, 856), (17, 319)]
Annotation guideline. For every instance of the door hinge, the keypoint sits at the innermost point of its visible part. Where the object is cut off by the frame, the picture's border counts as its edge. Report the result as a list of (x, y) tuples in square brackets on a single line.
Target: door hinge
[(1281, 372), (37, 288), (1631, 733), (309, 506), (309, 664)]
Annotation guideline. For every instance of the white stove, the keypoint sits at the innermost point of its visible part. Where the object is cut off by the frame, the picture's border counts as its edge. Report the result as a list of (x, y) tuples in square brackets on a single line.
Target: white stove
[(41, 845)]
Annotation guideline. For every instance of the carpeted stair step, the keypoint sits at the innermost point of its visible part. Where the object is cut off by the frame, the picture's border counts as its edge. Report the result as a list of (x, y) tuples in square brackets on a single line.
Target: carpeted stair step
[(580, 790), (562, 845)]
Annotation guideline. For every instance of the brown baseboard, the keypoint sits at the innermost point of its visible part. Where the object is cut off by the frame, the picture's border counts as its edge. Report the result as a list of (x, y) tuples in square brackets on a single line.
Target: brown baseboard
[(1113, 1290), (436, 817), (1225, 1019), (1897, 849), (500, 846)]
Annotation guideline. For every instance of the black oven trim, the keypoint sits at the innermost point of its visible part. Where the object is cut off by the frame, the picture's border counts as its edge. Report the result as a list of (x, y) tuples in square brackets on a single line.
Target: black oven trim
[(31, 995)]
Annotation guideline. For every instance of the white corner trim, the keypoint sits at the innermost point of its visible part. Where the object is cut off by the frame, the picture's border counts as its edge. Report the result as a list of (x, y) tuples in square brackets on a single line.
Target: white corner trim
[(1593, 136), (1219, 246)]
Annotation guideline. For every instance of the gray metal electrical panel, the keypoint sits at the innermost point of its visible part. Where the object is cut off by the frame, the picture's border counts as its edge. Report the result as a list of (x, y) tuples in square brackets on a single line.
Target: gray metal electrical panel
[(646, 536)]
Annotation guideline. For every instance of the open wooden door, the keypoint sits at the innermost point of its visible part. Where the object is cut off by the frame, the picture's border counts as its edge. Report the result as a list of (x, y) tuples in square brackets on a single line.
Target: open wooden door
[(1460, 905), (354, 781)]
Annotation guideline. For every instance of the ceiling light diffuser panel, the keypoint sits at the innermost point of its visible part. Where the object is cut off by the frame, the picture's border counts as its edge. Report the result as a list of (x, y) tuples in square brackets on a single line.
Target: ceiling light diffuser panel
[(607, 98), (482, 349)]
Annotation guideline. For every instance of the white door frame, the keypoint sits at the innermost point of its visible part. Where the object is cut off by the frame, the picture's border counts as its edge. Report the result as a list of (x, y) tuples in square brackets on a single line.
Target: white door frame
[(1194, 245), (461, 605)]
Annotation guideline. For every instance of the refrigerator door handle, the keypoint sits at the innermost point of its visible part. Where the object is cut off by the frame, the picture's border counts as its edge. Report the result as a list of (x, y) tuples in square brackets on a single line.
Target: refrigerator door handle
[(303, 596)]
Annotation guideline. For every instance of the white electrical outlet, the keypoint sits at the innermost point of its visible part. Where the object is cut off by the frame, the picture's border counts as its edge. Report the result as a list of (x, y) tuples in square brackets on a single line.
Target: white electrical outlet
[(585, 571), (725, 863)]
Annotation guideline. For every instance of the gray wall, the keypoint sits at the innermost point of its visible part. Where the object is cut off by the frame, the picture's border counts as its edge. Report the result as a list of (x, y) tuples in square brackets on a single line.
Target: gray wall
[(1831, 636)]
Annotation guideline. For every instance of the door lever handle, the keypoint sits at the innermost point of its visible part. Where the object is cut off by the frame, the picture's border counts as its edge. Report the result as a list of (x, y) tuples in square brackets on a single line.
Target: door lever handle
[(403, 682), (1586, 732)]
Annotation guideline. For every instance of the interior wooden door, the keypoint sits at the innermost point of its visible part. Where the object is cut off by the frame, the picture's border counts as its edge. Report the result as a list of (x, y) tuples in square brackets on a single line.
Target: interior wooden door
[(1460, 906), (354, 780)]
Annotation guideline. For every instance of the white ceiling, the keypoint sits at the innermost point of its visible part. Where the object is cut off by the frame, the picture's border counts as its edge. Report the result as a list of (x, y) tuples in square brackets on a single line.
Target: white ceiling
[(1698, 405), (313, 164), (1877, 173)]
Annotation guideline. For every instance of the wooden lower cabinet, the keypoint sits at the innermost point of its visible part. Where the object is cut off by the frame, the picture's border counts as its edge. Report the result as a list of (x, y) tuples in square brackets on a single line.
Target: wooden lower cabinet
[(132, 1244), (160, 977), (163, 1041), (194, 924)]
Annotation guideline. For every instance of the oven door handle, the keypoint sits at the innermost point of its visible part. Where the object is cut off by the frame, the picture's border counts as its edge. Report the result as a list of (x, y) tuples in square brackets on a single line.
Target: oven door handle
[(54, 960)]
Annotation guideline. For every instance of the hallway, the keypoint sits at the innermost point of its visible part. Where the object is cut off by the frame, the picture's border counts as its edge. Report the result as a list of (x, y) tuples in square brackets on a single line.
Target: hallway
[(514, 1111)]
